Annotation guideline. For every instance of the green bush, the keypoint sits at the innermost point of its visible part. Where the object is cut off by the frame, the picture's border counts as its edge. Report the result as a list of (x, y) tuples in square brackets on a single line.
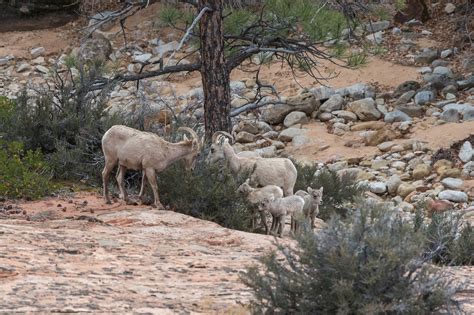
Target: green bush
[(448, 241), (209, 192), (372, 264), (65, 122), (23, 174), (339, 191)]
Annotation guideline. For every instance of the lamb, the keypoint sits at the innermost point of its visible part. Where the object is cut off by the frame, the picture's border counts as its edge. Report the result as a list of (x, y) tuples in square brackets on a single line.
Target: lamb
[(139, 150), (312, 200), (257, 195), (280, 208), (264, 171)]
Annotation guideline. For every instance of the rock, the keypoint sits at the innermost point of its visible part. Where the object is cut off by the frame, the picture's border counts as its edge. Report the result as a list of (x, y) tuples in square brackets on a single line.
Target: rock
[(238, 102), (421, 171), (393, 183), (373, 125), (336, 167), (300, 140), (424, 70), (294, 118), (378, 26), (396, 31), (450, 115), (142, 58), (288, 134), (468, 64), (364, 109), (449, 8), (386, 146), (449, 89), (325, 116), (399, 165), (396, 116), (406, 86), (411, 110), (468, 169), (378, 187), (442, 164), (164, 48), (452, 183), (94, 49), (38, 61), (404, 189), (335, 102), (439, 63), (323, 92), (381, 135), (468, 115), (42, 69), (36, 52), (446, 53), (405, 98), (449, 172), (466, 84), (376, 38), (424, 97), (444, 71), (267, 152), (23, 67), (237, 86), (453, 195), (466, 152), (357, 91), (275, 114), (244, 137), (346, 115), (427, 56)]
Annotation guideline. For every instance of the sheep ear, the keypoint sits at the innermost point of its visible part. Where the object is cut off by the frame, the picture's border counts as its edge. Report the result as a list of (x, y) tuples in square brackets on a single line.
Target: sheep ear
[(310, 190), (321, 189), (247, 181)]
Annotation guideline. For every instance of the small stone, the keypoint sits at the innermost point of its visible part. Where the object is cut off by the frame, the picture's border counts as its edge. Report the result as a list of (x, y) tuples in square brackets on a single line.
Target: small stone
[(23, 67), (412, 110), (325, 116), (404, 189), (453, 195), (38, 51), (244, 137), (449, 172), (424, 97), (386, 146), (42, 69), (444, 71), (405, 97), (424, 70), (396, 116), (365, 109), (396, 31), (466, 152), (421, 171), (142, 58), (452, 183), (449, 8), (346, 115), (446, 53), (335, 102), (393, 183), (294, 118), (426, 57), (378, 187), (377, 26), (450, 115), (288, 134)]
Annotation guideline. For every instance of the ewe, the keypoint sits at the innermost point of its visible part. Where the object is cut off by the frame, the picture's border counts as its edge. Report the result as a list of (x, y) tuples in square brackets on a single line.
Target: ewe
[(264, 171), (257, 195), (312, 200), (139, 150)]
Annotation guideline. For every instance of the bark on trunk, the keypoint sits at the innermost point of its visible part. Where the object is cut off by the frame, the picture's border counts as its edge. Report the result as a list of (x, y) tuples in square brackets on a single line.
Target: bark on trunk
[(215, 77)]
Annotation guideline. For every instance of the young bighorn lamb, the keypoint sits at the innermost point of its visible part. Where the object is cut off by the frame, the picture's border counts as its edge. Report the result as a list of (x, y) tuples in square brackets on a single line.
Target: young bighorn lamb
[(264, 171), (280, 208), (139, 150), (312, 200), (257, 195)]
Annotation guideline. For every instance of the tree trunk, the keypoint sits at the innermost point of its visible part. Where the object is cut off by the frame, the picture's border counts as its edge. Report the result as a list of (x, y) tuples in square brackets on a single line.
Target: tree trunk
[(215, 77)]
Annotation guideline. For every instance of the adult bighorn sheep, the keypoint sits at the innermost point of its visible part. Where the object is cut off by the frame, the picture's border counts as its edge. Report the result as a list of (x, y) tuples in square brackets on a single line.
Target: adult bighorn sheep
[(264, 171), (146, 151)]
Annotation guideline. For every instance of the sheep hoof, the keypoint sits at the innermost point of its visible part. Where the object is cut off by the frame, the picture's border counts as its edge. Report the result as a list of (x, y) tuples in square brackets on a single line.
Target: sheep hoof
[(159, 206), (108, 202)]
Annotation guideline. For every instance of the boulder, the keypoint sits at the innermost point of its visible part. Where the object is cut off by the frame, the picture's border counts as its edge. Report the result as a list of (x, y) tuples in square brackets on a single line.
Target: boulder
[(335, 102), (404, 189), (412, 110), (378, 187), (393, 183), (426, 57), (94, 49), (396, 116), (450, 115), (424, 97), (444, 71), (346, 115), (365, 109), (452, 183), (275, 114), (288, 134), (294, 118), (453, 195), (245, 137), (421, 171)]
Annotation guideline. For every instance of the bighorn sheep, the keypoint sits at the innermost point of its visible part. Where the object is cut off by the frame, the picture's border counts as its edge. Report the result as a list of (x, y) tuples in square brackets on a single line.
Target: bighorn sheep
[(312, 200), (264, 171), (139, 150), (257, 195), (280, 208)]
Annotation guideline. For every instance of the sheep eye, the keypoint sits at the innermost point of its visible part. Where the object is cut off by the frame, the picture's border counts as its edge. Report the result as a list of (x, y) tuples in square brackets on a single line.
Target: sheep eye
[(212, 150)]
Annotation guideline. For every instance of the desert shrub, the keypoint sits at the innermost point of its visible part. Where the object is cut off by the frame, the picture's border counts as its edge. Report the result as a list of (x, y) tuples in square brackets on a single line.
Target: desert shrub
[(339, 191), (372, 264), (209, 192), (448, 240), (65, 122), (23, 174)]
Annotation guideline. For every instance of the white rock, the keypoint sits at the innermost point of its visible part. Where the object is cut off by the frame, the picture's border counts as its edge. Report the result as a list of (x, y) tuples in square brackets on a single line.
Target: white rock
[(23, 67), (142, 58), (288, 134), (466, 152), (449, 8), (42, 69), (38, 51), (453, 195), (392, 184), (452, 183), (294, 118), (378, 187)]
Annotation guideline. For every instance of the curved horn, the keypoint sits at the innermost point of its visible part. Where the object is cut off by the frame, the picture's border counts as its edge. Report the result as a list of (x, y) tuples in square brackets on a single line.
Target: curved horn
[(224, 133), (193, 133)]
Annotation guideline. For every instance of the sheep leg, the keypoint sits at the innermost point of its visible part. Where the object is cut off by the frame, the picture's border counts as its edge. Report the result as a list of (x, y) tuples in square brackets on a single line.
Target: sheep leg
[(264, 221), (121, 182), (281, 222), (313, 217), (150, 174), (274, 224), (105, 181), (142, 189)]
